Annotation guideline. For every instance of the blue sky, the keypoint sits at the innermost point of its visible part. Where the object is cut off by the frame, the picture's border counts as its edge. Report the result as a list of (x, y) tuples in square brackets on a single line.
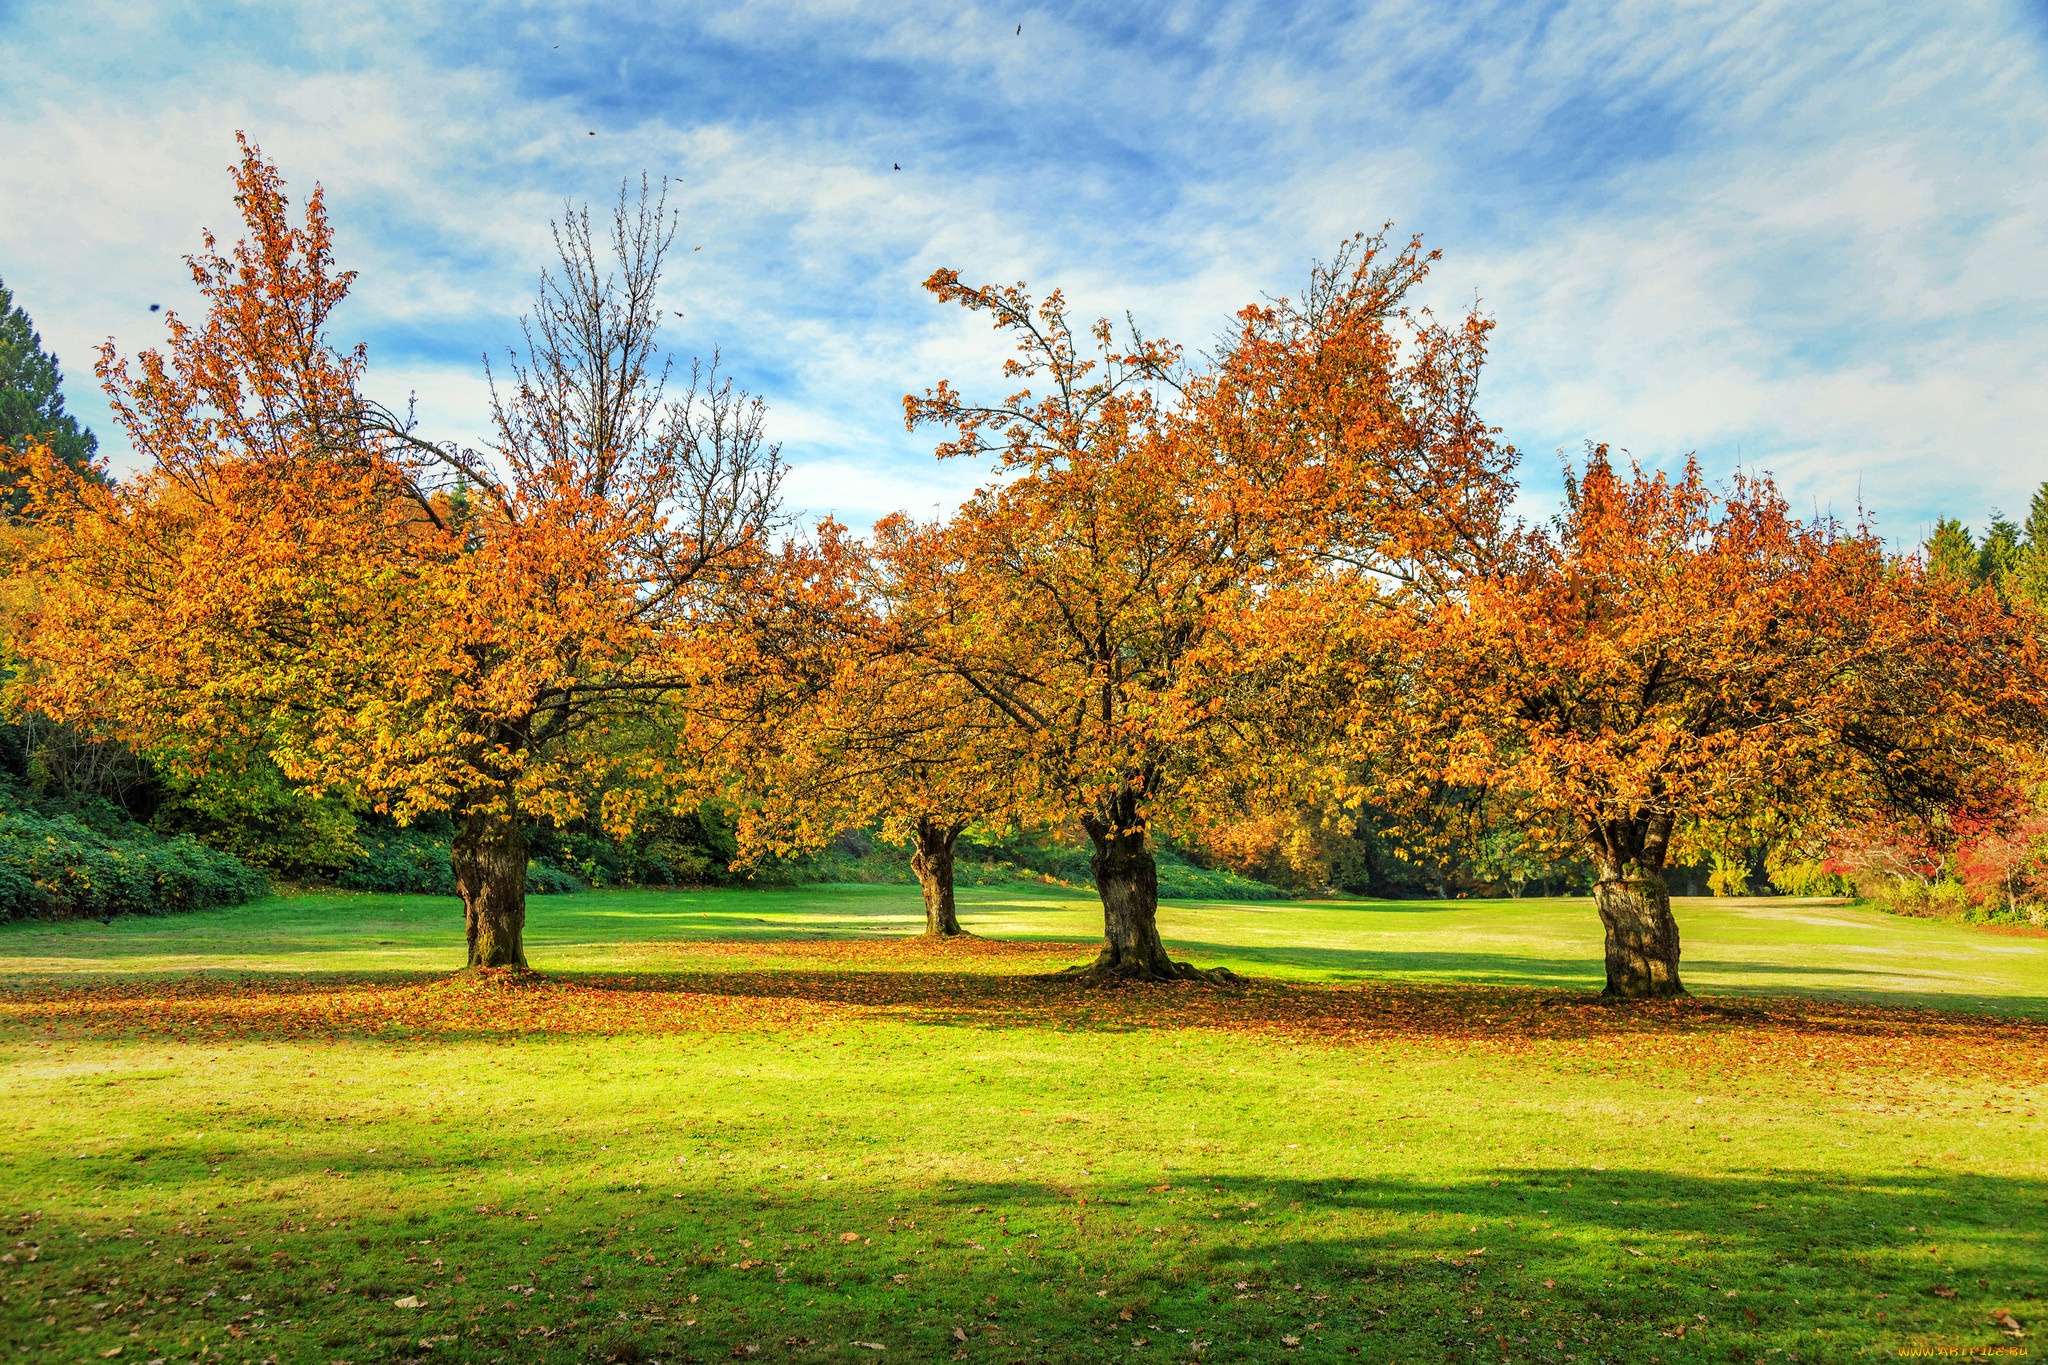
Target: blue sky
[(1807, 238)]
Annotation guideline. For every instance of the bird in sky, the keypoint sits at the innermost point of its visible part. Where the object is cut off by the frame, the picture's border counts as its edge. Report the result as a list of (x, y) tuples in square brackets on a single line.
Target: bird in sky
[(154, 306), (1020, 30), (897, 164)]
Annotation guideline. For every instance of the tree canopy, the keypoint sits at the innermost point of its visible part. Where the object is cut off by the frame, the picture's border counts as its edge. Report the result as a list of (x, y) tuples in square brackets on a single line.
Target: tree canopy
[(1666, 654), (486, 634), (1142, 604)]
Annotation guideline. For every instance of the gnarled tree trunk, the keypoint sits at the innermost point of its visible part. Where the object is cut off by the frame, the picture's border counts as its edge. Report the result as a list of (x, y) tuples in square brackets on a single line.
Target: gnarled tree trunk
[(490, 876), (1642, 938), (933, 864), (1127, 880), (1635, 906)]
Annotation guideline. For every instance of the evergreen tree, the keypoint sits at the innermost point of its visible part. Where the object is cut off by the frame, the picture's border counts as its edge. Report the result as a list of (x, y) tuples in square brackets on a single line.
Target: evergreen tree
[(1951, 551), (1999, 556), (32, 397), (2028, 581), (2037, 520)]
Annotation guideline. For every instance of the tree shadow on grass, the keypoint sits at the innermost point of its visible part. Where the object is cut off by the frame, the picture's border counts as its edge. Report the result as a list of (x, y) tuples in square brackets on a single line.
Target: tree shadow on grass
[(1390, 1267)]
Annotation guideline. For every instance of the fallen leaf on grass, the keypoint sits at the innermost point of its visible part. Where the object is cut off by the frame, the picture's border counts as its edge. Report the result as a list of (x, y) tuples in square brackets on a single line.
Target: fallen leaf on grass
[(845, 1237), (871, 1345), (409, 1301), (1942, 1291), (2006, 1323), (1290, 1341), (1632, 1251), (959, 1335), (1124, 1314), (1747, 1314), (805, 987)]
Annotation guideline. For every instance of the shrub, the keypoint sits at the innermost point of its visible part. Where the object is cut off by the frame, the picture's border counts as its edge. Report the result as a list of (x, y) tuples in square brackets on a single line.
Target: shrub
[(60, 867), (1810, 879), (417, 863), (1184, 881), (400, 862), (1730, 877)]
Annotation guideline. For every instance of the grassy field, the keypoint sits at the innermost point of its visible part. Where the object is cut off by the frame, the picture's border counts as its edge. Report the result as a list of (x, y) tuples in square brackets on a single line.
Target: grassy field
[(769, 1126)]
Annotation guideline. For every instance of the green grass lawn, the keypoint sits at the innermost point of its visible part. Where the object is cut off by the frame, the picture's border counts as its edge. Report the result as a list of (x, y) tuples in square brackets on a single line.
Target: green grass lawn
[(763, 1125)]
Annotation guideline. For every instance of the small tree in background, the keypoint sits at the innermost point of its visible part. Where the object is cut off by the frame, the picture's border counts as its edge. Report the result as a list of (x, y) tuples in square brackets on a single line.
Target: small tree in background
[(842, 727), (1952, 552)]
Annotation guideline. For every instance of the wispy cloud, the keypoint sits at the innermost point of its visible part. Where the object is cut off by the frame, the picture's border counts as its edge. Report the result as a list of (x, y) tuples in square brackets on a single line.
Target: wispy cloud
[(1806, 238)]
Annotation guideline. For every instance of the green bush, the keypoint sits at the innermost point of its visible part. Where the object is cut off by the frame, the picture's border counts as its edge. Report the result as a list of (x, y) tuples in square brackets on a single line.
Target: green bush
[(1184, 881), (888, 866), (542, 880), (414, 862), (61, 867), (399, 862)]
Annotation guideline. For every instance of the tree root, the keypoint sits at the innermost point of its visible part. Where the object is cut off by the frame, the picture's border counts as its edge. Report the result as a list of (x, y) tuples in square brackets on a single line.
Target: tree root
[(1107, 976), (1616, 997)]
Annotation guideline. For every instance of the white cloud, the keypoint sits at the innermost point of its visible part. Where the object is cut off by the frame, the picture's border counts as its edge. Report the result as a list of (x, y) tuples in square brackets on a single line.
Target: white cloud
[(1812, 239)]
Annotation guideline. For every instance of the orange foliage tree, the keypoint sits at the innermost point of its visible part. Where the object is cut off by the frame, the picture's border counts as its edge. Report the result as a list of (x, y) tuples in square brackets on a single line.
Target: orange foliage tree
[(1665, 655), (491, 635), (838, 726), (1144, 608)]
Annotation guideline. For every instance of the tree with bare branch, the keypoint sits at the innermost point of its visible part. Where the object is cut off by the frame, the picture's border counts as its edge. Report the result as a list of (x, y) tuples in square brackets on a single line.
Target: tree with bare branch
[(491, 634)]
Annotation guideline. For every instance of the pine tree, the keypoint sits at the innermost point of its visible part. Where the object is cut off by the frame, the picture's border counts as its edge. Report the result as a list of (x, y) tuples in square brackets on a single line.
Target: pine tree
[(1999, 556), (2028, 581), (32, 397), (2037, 520), (1951, 552)]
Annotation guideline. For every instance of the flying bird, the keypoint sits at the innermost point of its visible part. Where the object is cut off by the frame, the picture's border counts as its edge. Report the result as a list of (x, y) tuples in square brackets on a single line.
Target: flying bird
[(897, 164), (154, 306), (593, 134), (1020, 29)]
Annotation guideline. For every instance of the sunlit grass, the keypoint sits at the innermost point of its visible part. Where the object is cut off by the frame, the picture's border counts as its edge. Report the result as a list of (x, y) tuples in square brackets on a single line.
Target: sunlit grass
[(1446, 1172)]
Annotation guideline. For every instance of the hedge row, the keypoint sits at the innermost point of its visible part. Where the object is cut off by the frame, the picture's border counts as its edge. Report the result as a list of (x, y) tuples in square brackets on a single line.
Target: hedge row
[(59, 867), (408, 862)]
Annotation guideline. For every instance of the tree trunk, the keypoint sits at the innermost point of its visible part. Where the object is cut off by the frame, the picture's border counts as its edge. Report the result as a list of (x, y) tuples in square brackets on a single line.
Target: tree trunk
[(490, 876), (1642, 937), (933, 864), (1127, 880)]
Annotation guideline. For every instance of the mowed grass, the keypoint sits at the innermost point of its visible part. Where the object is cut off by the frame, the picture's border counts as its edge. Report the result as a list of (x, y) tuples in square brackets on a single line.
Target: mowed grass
[(768, 1126)]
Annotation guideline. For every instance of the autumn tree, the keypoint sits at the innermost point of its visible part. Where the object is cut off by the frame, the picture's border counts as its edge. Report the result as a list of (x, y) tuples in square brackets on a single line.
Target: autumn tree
[(1667, 655), (300, 571), (1142, 603), (838, 726)]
